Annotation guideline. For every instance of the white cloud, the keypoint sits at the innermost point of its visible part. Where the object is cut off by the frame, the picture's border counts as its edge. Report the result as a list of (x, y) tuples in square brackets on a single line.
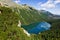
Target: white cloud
[(17, 1), (48, 4), (57, 1), (43, 8), (39, 3)]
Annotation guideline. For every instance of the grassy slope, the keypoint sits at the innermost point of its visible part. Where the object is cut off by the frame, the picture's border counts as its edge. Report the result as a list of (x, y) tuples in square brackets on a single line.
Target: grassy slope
[(10, 31), (32, 16), (8, 26), (29, 15)]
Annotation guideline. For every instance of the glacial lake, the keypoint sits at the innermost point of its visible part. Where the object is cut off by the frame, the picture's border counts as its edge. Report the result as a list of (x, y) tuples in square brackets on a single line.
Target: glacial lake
[(35, 28)]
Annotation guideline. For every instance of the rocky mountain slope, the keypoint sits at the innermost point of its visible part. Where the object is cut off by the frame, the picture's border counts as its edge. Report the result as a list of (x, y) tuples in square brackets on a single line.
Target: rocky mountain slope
[(9, 30)]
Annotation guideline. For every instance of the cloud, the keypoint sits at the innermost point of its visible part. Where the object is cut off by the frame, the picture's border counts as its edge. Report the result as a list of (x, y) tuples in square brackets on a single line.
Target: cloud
[(48, 4), (43, 8), (17, 1), (57, 1)]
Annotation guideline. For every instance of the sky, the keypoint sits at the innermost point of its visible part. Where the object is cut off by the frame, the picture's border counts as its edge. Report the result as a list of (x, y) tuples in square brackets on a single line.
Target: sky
[(52, 6)]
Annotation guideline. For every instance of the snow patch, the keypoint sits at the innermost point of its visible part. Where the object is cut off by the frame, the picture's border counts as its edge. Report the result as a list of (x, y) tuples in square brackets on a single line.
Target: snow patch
[(26, 33)]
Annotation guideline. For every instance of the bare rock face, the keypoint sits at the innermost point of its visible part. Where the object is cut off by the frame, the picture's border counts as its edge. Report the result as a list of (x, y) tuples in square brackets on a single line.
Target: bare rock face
[(19, 23), (0, 12), (8, 3), (1, 3)]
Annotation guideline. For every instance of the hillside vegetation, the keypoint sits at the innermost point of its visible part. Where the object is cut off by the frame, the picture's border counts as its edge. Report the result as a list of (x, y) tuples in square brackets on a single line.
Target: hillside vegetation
[(9, 30), (8, 25), (30, 15)]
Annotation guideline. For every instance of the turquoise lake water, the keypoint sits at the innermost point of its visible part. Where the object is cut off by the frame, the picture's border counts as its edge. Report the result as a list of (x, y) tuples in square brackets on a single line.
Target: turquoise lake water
[(37, 27)]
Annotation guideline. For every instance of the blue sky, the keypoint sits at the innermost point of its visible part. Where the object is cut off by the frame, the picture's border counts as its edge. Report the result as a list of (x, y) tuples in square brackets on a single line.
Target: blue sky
[(50, 5)]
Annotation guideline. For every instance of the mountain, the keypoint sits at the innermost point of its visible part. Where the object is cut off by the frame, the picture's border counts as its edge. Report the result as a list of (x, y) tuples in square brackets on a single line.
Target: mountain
[(9, 3), (30, 15), (9, 17), (56, 16), (9, 29), (50, 15)]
